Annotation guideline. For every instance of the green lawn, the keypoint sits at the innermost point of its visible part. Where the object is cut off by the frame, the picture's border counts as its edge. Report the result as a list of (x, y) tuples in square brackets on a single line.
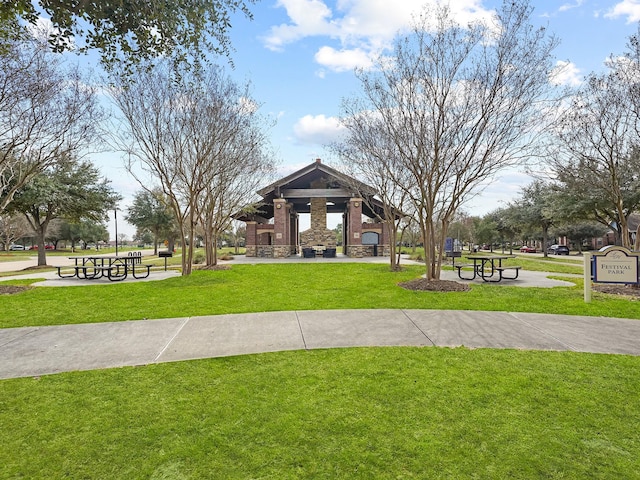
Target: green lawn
[(383, 413), (287, 286), (15, 256), (366, 413)]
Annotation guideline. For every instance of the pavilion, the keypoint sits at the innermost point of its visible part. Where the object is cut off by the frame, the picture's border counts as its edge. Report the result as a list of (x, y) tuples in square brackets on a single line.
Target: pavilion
[(273, 224)]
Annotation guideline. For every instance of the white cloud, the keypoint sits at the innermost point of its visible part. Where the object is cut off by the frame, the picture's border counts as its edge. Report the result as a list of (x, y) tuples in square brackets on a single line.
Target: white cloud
[(43, 29), (362, 28), (308, 18), (343, 60), (626, 8), (318, 129), (566, 73), (569, 6)]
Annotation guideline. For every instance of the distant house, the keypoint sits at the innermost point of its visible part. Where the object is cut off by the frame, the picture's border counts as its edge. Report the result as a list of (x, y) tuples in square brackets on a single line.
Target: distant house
[(609, 238)]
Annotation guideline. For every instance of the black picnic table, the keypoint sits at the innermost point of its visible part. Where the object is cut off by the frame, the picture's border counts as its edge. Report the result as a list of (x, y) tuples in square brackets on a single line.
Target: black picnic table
[(114, 267), (488, 267)]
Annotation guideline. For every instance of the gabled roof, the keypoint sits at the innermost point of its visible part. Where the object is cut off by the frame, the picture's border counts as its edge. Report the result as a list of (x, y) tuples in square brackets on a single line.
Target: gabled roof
[(314, 180), (313, 172)]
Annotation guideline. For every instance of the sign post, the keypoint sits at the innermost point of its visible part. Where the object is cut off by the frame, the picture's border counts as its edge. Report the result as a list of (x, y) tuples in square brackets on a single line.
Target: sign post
[(587, 277), (611, 265)]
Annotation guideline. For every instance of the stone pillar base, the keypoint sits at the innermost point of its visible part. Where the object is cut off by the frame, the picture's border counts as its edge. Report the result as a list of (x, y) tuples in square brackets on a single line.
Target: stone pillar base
[(281, 251), (265, 251), (356, 251), (251, 251)]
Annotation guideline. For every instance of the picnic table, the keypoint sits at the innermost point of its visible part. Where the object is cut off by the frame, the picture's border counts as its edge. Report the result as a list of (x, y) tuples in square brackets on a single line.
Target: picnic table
[(487, 267), (114, 267)]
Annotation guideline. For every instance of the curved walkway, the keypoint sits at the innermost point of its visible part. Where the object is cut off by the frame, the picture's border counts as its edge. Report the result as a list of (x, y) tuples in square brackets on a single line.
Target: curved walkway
[(34, 351)]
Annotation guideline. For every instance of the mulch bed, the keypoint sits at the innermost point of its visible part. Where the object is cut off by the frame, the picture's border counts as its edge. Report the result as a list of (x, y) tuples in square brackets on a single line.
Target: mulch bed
[(422, 284), (214, 267), (624, 290), (11, 289)]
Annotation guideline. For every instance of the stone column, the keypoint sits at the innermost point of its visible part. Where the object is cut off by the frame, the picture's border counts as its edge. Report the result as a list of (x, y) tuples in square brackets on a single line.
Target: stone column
[(345, 232), (318, 214), (251, 241), (355, 248), (281, 228), (293, 231)]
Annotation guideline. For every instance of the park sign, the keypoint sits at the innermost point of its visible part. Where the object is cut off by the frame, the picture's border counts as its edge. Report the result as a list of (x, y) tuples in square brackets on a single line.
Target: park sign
[(615, 265), (610, 264)]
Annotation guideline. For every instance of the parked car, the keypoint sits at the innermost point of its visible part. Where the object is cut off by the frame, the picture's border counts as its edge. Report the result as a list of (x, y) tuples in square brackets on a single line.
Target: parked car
[(46, 247), (527, 249), (16, 247), (558, 250)]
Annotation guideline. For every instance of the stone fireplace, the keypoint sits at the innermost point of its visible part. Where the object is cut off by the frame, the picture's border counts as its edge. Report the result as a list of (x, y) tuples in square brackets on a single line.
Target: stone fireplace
[(318, 234)]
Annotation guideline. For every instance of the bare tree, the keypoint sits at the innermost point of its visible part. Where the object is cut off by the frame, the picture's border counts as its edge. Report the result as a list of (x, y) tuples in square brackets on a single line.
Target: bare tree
[(598, 162), (240, 167), (190, 133), (367, 155), (458, 104), (13, 227), (47, 112)]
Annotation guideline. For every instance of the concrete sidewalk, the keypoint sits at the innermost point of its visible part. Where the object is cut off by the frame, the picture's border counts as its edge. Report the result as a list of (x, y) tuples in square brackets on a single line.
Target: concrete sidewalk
[(34, 351)]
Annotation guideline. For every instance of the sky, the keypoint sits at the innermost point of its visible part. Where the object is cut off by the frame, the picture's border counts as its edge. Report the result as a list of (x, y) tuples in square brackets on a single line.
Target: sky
[(299, 57)]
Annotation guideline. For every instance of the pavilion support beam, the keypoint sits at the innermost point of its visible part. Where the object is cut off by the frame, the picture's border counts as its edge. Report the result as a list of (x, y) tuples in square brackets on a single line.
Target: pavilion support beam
[(315, 193), (281, 228), (354, 246)]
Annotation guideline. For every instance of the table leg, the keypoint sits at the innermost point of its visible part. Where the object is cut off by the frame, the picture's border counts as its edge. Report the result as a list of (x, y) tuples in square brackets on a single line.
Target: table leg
[(74, 274), (87, 276), (118, 276), (485, 277), (475, 271)]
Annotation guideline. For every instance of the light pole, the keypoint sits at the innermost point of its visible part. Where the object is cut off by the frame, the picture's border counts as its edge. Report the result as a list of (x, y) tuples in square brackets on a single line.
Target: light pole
[(115, 218)]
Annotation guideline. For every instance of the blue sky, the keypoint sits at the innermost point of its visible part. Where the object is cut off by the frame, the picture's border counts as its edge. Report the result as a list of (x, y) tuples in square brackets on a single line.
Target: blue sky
[(299, 56)]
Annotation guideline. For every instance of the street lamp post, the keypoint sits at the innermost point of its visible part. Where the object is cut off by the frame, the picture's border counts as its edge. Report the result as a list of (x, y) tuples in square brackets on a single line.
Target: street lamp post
[(115, 218)]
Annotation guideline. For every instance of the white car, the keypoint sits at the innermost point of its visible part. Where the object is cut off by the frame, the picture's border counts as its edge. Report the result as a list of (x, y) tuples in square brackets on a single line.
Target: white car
[(16, 247)]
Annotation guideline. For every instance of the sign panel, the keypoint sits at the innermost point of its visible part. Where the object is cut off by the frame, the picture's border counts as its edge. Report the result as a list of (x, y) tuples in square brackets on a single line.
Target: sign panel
[(448, 244), (615, 265)]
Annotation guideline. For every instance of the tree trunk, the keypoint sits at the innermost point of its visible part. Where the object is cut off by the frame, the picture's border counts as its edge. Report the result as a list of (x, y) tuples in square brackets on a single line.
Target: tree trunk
[(430, 256), (626, 237), (209, 246), (393, 231), (155, 242), (42, 253)]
